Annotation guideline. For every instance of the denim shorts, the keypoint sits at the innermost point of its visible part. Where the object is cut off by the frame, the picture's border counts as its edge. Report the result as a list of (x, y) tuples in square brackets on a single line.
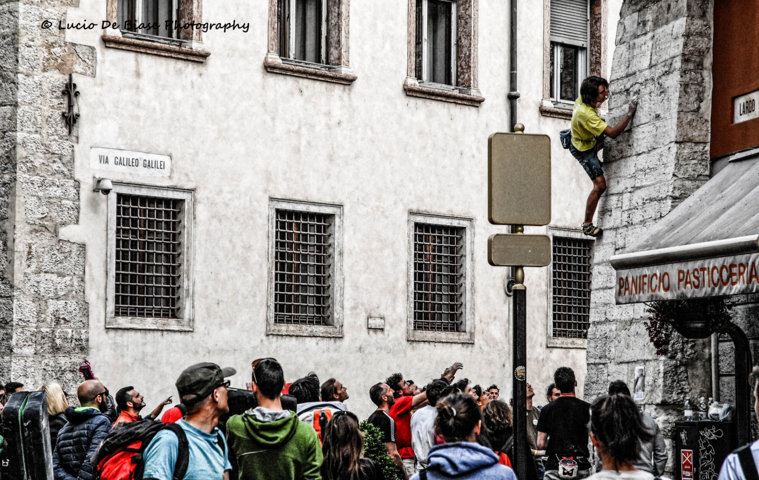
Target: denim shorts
[(589, 160)]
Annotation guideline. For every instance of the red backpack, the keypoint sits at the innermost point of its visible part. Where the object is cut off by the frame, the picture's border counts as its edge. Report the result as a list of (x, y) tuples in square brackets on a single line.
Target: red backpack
[(121, 455)]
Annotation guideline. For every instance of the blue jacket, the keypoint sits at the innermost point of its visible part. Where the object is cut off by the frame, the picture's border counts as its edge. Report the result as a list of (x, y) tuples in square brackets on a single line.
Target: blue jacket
[(77, 442), (465, 460)]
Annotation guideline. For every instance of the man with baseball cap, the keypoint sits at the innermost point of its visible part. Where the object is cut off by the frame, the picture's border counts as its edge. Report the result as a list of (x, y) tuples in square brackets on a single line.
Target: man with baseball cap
[(203, 390)]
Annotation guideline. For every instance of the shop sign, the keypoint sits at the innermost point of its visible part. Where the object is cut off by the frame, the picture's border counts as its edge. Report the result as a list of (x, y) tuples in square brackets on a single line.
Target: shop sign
[(707, 277), (745, 107), (125, 161)]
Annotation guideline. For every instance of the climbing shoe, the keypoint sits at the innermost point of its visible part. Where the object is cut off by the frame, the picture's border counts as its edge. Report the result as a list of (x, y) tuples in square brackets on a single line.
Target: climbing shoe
[(591, 230)]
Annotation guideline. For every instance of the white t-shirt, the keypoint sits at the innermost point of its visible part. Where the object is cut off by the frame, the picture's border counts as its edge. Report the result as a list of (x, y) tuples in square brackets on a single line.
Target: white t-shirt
[(622, 475), (423, 434)]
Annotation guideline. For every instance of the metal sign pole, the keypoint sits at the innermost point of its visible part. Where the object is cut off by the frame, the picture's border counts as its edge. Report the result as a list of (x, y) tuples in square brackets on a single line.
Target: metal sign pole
[(519, 304)]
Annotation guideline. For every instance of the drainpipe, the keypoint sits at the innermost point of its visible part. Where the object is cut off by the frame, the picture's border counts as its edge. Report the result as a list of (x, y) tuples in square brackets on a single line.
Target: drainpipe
[(513, 94)]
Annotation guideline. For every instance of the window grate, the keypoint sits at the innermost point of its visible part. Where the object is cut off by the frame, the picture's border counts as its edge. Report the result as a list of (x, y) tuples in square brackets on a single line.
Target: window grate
[(571, 287), (439, 262), (303, 258), (148, 280)]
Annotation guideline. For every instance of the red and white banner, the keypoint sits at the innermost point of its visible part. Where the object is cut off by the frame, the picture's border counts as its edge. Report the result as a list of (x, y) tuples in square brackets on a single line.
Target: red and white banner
[(709, 277)]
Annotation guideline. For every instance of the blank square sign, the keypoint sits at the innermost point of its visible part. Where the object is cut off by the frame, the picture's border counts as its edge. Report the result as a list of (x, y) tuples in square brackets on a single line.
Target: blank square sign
[(519, 179)]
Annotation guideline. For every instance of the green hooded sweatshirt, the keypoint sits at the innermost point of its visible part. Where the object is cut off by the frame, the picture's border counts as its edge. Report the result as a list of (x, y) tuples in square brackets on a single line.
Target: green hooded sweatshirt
[(274, 449)]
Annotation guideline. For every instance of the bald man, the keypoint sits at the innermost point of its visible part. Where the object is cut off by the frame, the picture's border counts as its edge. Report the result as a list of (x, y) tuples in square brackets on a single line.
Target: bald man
[(78, 439)]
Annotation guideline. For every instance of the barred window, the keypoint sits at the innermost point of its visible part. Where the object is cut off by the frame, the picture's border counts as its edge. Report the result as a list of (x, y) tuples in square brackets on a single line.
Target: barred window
[(148, 256), (302, 268), (571, 286), (439, 288)]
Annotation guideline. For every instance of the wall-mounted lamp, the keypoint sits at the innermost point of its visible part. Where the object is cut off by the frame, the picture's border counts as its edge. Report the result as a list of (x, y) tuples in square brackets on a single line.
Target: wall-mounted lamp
[(103, 185)]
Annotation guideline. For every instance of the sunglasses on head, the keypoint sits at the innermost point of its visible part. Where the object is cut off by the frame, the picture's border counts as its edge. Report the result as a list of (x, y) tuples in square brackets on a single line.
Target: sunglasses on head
[(255, 363)]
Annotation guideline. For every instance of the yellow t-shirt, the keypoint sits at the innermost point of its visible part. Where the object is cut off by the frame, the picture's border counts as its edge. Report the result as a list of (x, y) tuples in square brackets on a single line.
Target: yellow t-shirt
[(586, 126)]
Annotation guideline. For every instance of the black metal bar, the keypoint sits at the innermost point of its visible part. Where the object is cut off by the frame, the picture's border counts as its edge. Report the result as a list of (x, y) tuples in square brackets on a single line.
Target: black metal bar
[(742, 370), (519, 375)]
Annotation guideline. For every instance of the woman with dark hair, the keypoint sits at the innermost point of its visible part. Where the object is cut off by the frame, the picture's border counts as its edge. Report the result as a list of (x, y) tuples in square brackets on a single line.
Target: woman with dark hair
[(342, 447), (615, 429), (497, 430), (459, 421)]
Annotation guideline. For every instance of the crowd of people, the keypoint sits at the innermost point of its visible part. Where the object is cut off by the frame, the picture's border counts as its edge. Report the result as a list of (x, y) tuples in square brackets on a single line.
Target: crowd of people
[(304, 430)]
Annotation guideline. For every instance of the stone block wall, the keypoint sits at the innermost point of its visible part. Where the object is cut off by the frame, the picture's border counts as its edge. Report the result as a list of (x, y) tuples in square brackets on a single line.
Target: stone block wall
[(663, 54), (43, 314)]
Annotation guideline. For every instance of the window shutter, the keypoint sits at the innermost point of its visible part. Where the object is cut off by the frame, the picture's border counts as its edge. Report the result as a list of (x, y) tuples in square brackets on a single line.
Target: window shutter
[(569, 22)]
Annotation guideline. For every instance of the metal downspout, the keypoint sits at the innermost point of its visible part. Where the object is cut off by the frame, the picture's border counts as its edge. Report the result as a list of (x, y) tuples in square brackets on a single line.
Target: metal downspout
[(513, 94)]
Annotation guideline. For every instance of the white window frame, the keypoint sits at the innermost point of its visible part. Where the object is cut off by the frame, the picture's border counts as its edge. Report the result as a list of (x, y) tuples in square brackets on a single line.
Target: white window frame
[(292, 5), (335, 329), (582, 70), (427, 45), (467, 334), (185, 322), (562, 342)]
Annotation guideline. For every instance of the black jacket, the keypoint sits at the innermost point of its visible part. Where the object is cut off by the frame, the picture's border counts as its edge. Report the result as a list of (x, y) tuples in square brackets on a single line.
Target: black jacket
[(77, 442), (56, 423)]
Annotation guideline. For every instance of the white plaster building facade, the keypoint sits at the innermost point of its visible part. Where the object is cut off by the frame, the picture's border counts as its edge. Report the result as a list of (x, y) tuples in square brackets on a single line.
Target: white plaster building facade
[(243, 149)]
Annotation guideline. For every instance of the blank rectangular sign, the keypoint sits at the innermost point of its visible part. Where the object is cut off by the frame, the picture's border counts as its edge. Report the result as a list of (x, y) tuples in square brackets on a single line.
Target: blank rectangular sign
[(519, 179), (517, 250)]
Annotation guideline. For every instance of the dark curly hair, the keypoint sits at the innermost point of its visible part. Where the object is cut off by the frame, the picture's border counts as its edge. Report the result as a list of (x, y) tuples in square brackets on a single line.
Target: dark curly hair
[(617, 424), (589, 88)]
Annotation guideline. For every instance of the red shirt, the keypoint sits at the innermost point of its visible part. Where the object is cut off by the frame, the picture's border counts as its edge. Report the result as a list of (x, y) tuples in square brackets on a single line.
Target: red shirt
[(401, 413), (126, 417), (172, 415)]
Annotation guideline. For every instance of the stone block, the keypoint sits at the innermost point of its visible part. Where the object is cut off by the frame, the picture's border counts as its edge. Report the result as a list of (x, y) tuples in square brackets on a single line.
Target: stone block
[(29, 59), (726, 358), (49, 187), (727, 389), (52, 286), (44, 211), (86, 59), (596, 377), (68, 314), (640, 52), (25, 312), (48, 165), (60, 257)]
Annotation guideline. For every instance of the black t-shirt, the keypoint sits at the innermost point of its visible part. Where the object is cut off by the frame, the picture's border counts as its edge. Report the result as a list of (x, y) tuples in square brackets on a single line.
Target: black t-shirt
[(382, 420), (566, 420)]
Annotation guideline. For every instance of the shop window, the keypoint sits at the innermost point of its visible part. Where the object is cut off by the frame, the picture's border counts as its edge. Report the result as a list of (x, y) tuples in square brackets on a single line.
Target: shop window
[(149, 265)]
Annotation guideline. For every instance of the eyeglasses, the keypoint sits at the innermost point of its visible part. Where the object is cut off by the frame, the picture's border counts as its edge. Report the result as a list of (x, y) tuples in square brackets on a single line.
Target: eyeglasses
[(104, 392), (225, 384), (255, 363)]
